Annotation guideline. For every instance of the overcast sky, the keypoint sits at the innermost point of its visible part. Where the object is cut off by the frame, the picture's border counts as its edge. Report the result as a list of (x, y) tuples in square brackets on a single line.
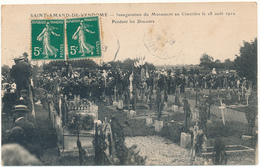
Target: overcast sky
[(220, 36)]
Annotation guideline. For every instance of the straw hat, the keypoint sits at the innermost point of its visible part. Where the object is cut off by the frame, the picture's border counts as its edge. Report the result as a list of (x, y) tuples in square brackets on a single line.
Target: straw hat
[(20, 108)]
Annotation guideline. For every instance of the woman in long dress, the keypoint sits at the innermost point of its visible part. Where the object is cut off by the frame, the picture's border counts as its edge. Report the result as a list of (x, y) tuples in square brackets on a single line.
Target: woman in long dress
[(79, 35), (45, 37)]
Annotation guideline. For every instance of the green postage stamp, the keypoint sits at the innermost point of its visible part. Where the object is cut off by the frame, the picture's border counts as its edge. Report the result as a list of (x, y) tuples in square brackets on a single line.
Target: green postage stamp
[(83, 37), (48, 39)]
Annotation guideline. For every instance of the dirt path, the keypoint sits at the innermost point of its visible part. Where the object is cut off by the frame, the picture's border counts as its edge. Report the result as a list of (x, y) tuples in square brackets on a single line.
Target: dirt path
[(160, 151)]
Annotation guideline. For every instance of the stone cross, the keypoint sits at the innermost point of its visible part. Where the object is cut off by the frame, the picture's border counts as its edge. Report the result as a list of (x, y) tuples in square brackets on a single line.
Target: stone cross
[(115, 90), (218, 92), (195, 114), (223, 109), (105, 76), (239, 94), (196, 132), (247, 97), (131, 85)]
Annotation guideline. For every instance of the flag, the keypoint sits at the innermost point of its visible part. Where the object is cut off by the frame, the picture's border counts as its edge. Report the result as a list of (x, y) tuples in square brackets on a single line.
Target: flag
[(136, 64), (147, 74)]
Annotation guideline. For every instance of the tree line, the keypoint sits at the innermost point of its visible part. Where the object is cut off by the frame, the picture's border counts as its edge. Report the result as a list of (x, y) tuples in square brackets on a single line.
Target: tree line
[(245, 63), (126, 65)]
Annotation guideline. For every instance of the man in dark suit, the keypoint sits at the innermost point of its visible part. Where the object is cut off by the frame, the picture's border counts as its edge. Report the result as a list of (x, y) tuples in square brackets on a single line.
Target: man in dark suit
[(21, 72), (8, 101), (25, 100), (20, 119), (23, 131)]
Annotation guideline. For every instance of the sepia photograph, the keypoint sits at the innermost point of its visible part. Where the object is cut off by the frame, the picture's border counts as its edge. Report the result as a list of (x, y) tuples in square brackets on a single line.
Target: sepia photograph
[(131, 84)]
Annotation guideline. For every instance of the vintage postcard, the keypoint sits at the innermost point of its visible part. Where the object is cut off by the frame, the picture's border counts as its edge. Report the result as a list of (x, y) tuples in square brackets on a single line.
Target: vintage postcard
[(129, 84)]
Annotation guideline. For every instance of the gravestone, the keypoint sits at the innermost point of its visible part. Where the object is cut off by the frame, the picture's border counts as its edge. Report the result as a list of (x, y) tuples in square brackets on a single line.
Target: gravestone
[(132, 113), (158, 125), (149, 122), (115, 104), (120, 104), (185, 141), (195, 114), (174, 108), (223, 112)]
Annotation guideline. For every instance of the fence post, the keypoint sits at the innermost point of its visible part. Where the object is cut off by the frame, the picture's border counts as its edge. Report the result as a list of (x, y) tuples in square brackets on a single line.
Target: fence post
[(97, 158)]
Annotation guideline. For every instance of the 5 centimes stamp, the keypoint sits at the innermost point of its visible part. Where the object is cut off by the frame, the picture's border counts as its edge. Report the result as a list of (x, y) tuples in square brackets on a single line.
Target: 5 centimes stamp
[(159, 41), (48, 39), (83, 37)]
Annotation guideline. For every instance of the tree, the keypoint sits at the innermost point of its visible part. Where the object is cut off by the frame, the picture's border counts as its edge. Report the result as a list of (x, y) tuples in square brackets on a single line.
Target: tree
[(184, 71), (177, 72), (246, 62), (84, 63), (5, 70), (228, 64), (217, 64), (150, 66), (191, 70), (128, 64), (6, 73), (217, 61), (53, 65), (115, 64), (206, 61)]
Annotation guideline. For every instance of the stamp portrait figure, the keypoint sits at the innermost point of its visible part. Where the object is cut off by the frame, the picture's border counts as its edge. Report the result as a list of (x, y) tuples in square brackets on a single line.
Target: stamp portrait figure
[(80, 35), (45, 37)]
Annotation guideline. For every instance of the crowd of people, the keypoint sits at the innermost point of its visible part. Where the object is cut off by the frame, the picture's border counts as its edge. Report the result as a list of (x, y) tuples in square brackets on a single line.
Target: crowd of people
[(113, 84), (108, 84)]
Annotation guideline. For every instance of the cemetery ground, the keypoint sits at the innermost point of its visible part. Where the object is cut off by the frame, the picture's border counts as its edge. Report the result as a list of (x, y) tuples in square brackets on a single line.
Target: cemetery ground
[(236, 125), (161, 148)]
